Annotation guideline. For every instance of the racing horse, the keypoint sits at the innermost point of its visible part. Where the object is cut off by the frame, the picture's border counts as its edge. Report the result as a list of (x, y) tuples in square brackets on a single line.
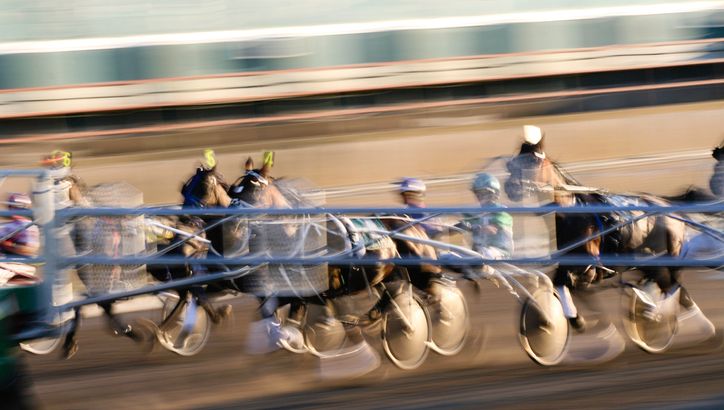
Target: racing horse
[(352, 294), (630, 233), (117, 236)]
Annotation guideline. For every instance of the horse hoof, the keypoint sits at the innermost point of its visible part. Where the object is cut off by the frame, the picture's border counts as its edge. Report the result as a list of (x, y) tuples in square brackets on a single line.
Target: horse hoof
[(143, 335), (70, 349), (220, 314), (291, 339), (224, 312), (578, 323)]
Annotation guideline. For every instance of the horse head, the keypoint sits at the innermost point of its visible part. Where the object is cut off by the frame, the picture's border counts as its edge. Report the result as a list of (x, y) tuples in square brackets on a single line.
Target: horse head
[(256, 188), (532, 174)]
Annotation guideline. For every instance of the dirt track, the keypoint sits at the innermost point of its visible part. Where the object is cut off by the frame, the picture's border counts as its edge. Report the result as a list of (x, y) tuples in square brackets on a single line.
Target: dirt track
[(493, 371)]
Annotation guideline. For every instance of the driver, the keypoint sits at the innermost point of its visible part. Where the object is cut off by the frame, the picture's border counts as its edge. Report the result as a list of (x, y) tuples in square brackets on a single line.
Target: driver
[(533, 141), (412, 193), (492, 232), (69, 189)]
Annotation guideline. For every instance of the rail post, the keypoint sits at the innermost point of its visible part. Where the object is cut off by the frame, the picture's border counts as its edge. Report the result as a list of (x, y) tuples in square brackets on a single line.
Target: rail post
[(44, 215)]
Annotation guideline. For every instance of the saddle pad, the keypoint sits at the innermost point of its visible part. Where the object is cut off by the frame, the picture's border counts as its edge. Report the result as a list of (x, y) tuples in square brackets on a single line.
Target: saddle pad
[(359, 229)]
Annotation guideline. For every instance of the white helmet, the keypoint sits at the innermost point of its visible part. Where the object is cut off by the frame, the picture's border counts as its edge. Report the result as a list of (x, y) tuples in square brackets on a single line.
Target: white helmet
[(414, 185), (532, 134)]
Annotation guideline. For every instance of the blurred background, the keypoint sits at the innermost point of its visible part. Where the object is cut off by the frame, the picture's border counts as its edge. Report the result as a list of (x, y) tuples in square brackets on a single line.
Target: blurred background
[(352, 95)]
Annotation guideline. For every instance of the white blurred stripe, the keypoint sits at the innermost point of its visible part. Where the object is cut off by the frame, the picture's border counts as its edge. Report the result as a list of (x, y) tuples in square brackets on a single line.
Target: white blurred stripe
[(583, 166), (354, 28)]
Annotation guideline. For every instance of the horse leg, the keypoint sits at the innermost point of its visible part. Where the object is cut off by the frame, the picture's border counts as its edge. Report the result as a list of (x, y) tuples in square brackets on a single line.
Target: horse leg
[(217, 315), (70, 345), (117, 326), (264, 334), (560, 282)]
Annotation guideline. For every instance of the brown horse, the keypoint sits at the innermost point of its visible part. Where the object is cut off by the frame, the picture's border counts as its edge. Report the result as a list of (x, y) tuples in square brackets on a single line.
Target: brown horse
[(347, 286), (643, 234)]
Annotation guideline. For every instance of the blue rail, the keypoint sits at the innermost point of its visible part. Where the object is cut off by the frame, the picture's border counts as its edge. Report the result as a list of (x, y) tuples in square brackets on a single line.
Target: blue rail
[(713, 207)]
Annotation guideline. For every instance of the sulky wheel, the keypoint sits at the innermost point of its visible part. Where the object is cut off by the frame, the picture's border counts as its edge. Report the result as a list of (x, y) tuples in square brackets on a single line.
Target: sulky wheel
[(450, 319), (406, 330), (544, 330), (322, 331), (46, 345), (653, 333), (185, 326)]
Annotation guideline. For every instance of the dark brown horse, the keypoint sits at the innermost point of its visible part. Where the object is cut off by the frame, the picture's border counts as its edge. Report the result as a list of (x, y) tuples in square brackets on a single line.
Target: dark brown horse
[(363, 238), (643, 235)]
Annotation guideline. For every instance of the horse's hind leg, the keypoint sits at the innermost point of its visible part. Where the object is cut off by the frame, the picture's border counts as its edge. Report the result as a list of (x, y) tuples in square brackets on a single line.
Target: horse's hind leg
[(561, 284), (667, 278), (217, 315), (117, 326), (70, 345)]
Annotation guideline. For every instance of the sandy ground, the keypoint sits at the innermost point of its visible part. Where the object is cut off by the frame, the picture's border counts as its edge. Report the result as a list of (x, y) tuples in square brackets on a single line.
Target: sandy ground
[(430, 144), (492, 372)]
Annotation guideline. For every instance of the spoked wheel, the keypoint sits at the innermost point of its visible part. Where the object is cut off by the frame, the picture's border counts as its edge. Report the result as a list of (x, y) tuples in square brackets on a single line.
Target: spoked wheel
[(322, 332), (651, 334), (450, 319), (42, 346), (544, 329), (406, 330), (185, 326), (46, 345)]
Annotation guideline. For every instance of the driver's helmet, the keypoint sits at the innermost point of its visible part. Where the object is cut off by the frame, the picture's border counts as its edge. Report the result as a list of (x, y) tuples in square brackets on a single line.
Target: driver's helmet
[(19, 201), (58, 159), (486, 185), (412, 186)]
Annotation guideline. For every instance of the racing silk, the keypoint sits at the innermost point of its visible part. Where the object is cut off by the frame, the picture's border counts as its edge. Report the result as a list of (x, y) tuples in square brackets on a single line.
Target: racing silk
[(23, 243), (363, 237), (68, 189), (501, 240), (431, 226)]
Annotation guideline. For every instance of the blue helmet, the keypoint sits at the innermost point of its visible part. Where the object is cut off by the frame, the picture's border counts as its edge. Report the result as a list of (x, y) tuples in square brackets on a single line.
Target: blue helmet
[(486, 182), (414, 185)]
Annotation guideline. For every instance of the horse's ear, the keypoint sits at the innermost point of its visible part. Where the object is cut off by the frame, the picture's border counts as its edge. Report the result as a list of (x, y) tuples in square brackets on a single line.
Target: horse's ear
[(265, 170), (249, 165)]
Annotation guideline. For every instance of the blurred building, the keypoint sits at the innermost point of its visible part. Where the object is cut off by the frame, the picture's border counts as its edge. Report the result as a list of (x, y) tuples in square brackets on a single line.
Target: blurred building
[(89, 65), (53, 43)]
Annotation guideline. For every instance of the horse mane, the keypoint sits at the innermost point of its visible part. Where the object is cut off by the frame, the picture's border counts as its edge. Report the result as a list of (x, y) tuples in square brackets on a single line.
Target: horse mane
[(565, 175)]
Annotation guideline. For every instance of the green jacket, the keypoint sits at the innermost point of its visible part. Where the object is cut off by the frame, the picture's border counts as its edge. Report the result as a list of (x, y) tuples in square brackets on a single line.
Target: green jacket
[(502, 239)]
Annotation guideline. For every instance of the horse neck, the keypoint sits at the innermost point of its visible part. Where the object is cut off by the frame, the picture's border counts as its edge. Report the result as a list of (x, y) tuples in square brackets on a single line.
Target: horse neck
[(553, 175), (216, 194), (275, 199)]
